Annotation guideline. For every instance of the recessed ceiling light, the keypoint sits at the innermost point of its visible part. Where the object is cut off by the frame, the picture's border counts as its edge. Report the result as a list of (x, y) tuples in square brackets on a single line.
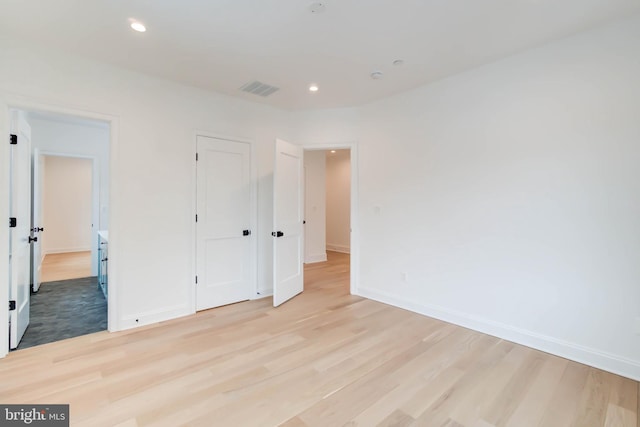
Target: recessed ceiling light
[(333, 151), (376, 75), (138, 27), (313, 88), (398, 62)]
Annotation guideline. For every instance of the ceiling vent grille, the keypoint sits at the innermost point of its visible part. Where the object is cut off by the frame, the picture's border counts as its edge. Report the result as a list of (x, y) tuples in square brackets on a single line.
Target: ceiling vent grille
[(258, 88)]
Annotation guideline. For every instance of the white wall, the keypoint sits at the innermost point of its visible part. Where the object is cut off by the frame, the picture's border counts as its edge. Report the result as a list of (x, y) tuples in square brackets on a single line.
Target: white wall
[(338, 190), (66, 205), (510, 196), (66, 137), (152, 169), (314, 210)]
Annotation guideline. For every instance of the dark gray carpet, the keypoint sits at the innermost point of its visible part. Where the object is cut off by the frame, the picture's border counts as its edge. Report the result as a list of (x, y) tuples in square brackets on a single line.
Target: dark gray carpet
[(65, 309)]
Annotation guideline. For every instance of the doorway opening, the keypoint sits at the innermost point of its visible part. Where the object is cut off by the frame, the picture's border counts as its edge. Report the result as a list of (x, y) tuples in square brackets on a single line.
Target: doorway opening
[(66, 200), (69, 205), (328, 215)]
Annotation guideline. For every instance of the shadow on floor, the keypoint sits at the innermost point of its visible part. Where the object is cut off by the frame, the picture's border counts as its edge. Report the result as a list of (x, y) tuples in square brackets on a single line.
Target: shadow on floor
[(65, 309)]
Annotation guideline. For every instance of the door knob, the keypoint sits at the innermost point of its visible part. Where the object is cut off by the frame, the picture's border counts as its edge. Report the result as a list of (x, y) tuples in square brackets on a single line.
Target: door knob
[(246, 232), (32, 239), (277, 234)]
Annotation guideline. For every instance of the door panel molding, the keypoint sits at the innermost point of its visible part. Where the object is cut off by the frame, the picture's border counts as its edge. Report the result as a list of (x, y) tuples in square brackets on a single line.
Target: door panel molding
[(252, 226), (288, 217)]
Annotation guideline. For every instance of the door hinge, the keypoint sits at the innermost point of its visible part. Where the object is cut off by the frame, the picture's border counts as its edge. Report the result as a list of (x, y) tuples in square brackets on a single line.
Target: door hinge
[(13, 222), (12, 305), (196, 217), (196, 157), (196, 280), (13, 139)]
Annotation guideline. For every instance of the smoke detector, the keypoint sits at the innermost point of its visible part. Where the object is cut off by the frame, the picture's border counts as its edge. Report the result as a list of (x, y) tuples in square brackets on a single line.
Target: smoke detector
[(317, 7)]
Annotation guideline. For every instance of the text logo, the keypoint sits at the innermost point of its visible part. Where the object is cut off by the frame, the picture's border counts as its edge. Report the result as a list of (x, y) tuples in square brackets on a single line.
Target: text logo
[(34, 415)]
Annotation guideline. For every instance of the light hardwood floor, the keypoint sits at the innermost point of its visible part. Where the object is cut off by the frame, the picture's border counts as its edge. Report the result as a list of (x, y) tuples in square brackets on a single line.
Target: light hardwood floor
[(324, 359), (65, 266)]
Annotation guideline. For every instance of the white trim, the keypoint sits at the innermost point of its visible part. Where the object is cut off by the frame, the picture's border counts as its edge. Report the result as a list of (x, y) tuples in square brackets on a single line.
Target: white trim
[(265, 294), (68, 250), (155, 316), (312, 259), (4, 231), (569, 350), (28, 104), (253, 216), (354, 278), (338, 248)]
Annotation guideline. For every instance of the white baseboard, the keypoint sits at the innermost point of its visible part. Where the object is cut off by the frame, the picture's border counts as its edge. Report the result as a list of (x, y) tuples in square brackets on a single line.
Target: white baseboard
[(65, 250), (311, 259), (263, 293), (338, 248), (572, 351), (154, 316)]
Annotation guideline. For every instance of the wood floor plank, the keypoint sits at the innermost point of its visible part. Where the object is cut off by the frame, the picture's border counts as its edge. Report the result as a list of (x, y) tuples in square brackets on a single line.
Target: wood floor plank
[(506, 402), (563, 408), (537, 398), (592, 407), (326, 358), (65, 266)]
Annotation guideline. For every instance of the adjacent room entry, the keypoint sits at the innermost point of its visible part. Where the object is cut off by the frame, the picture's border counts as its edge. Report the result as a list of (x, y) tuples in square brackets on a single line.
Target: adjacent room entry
[(58, 202), (225, 215)]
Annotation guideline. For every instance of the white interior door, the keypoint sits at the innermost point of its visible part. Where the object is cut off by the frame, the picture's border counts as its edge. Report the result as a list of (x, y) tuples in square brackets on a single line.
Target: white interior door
[(36, 218), (224, 259), (288, 199), (20, 236)]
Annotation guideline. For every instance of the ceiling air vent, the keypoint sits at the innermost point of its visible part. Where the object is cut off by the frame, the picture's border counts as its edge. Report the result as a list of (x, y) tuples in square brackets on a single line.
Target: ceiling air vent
[(258, 88)]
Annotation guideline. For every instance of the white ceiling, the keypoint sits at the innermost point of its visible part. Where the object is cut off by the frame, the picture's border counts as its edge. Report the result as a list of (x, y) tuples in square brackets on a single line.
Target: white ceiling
[(222, 44)]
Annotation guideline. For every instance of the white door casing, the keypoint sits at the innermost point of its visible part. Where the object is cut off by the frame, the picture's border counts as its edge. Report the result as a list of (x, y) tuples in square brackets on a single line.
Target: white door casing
[(224, 256), (36, 218), (288, 208), (19, 236)]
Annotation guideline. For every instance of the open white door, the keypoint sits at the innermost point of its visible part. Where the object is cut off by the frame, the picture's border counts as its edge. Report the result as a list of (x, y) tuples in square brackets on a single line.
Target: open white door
[(36, 218), (224, 259), (19, 236), (288, 199)]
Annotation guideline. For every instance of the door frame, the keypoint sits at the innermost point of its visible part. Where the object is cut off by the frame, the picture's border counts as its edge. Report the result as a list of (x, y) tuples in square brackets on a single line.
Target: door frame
[(8, 103), (253, 221), (354, 255)]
